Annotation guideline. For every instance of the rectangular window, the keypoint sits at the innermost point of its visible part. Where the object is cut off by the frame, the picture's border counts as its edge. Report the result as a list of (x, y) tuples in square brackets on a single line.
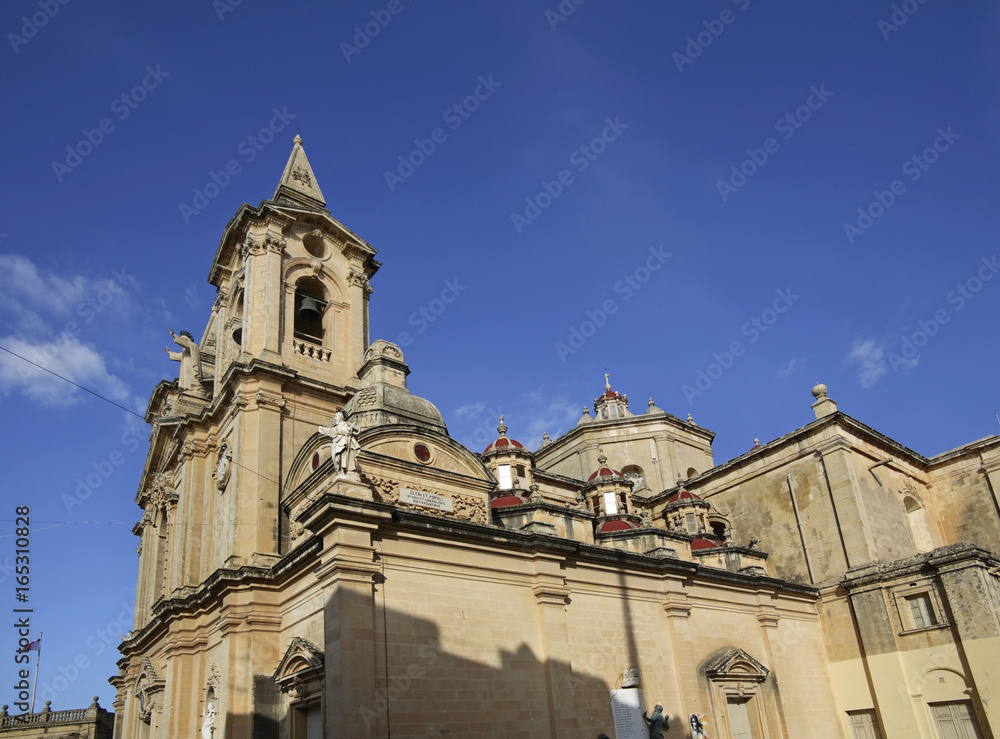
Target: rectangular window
[(503, 472), (520, 470), (739, 720), (864, 724), (921, 610), (956, 720), (610, 505), (692, 524)]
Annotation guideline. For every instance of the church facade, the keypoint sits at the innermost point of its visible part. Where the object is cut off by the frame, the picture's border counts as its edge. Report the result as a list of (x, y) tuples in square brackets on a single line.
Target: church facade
[(368, 576)]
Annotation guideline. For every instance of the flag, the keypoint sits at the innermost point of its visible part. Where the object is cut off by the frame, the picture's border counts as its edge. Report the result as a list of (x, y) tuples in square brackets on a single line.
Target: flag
[(35, 646)]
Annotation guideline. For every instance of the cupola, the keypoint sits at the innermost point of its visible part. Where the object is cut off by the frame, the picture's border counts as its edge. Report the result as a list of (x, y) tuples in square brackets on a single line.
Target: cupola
[(511, 464), (608, 495), (610, 405)]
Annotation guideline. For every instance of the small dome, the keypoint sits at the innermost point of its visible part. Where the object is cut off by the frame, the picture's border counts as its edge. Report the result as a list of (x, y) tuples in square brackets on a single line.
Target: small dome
[(681, 496), (503, 443), (604, 472), (615, 525), (506, 500), (702, 543)]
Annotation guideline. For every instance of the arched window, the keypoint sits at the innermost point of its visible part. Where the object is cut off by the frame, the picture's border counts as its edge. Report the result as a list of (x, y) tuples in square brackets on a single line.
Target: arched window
[(160, 573), (917, 519), (236, 319), (310, 305), (692, 472)]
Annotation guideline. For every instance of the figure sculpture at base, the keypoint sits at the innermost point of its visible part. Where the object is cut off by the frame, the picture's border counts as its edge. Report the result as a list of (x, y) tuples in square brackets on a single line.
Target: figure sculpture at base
[(658, 723)]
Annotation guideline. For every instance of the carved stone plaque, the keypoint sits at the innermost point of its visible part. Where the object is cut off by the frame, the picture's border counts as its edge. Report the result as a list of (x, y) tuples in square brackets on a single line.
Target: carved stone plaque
[(426, 500), (627, 706)]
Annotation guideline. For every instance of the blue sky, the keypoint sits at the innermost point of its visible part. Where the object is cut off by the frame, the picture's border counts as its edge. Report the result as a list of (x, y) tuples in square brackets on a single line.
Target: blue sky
[(637, 187)]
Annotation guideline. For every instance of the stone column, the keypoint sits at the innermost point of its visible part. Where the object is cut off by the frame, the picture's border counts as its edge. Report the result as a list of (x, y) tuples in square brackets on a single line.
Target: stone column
[(352, 347), (347, 570), (258, 475), (551, 592)]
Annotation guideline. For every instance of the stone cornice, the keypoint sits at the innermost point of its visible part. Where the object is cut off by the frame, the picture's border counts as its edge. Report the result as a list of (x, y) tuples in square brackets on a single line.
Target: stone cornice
[(955, 556)]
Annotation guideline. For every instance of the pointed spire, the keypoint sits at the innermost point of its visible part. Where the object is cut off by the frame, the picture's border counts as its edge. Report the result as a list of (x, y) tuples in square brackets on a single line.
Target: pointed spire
[(298, 184)]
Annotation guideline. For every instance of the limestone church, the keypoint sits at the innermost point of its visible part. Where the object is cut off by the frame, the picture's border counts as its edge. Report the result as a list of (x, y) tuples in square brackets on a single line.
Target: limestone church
[(319, 558)]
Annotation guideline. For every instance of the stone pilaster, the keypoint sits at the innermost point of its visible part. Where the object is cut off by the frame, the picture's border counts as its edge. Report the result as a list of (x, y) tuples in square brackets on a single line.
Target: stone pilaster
[(551, 593)]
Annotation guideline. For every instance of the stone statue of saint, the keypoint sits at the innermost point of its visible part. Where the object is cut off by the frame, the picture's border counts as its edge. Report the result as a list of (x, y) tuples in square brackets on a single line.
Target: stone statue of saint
[(190, 359), (345, 449), (208, 726), (658, 723)]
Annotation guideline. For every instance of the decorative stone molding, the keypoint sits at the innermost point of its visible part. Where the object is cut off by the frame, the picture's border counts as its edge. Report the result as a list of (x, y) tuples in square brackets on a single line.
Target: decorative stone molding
[(223, 466), (470, 508), (274, 244), (301, 672), (264, 399), (736, 674), (357, 279), (148, 690)]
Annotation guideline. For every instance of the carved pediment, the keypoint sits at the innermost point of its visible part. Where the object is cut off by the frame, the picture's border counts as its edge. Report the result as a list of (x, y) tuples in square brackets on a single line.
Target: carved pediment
[(736, 665), (147, 689), (300, 672)]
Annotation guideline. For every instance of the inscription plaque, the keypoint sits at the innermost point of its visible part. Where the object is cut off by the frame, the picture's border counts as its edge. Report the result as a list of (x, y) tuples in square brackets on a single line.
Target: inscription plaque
[(426, 500)]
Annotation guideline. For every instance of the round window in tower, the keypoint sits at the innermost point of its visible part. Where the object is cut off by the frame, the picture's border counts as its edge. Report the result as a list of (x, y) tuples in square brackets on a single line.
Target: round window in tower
[(315, 461), (422, 453)]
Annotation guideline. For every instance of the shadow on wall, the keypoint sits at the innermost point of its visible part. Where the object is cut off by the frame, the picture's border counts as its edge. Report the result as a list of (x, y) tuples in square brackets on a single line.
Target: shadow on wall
[(387, 673)]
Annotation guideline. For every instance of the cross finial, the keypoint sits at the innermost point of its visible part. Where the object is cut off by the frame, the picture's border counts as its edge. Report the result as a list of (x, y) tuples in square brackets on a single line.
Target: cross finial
[(607, 385)]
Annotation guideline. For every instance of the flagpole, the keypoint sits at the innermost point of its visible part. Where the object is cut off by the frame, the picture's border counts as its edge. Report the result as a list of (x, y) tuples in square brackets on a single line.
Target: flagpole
[(38, 658)]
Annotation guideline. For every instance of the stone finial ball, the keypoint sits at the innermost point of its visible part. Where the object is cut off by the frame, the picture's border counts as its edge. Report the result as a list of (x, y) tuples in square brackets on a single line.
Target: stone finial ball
[(819, 391)]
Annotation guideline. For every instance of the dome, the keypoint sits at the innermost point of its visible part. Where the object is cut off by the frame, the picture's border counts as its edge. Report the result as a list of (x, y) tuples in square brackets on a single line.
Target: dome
[(507, 500), (702, 543), (504, 443), (682, 496), (615, 525), (604, 472)]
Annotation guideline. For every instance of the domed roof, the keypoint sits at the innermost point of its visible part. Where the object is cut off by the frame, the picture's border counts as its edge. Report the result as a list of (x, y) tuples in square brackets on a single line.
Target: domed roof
[(507, 500), (681, 496), (616, 525), (603, 471), (504, 443), (702, 543)]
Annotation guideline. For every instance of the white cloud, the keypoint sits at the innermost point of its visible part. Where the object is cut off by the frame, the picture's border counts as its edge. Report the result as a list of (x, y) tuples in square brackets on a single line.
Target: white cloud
[(868, 356), (470, 410), (79, 363), (792, 365), (45, 313), (553, 414), (34, 298)]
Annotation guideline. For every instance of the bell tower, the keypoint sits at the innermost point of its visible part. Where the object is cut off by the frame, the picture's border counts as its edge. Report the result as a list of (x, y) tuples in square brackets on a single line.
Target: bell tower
[(279, 355)]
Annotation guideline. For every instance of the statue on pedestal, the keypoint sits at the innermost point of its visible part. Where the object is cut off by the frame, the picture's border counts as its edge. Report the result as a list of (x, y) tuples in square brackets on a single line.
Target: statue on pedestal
[(345, 446), (190, 359)]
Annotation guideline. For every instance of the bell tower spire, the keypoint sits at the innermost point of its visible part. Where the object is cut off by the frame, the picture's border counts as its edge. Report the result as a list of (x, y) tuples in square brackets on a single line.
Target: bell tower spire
[(298, 184)]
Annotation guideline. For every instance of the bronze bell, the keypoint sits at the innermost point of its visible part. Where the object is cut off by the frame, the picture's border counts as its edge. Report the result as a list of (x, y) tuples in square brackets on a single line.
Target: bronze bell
[(310, 311)]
